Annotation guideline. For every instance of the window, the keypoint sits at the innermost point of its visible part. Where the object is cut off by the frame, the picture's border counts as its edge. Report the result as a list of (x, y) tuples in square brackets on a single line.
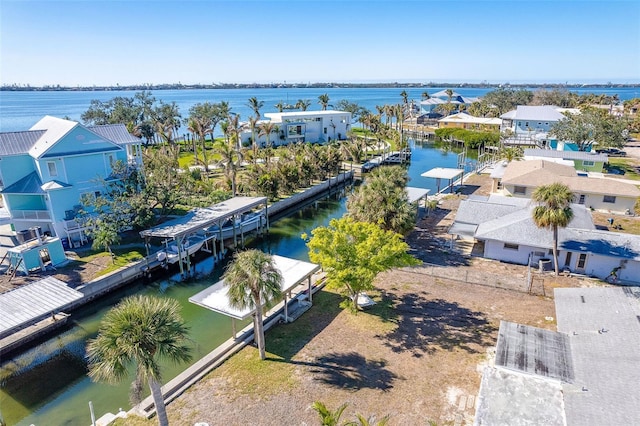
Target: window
[(588, 163), (526, 124), (609, 199), (581, 199), (519, 190), (324, 130), (53, 171), (111, 160), (509, 246), (582, 260)]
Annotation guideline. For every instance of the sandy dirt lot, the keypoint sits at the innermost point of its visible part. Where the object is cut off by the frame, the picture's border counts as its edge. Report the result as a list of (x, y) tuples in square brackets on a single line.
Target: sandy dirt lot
[(416, 356)]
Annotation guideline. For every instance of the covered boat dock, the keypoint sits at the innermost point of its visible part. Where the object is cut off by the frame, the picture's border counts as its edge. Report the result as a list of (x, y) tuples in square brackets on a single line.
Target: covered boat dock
[(294, 272), (31, 309), (206, 222), (440, 173)]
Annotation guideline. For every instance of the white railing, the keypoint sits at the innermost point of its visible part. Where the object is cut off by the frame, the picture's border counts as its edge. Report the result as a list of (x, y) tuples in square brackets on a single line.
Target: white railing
[(31, 214)]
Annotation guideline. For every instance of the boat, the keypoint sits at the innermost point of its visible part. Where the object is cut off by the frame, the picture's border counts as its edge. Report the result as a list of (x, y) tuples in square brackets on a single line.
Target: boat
[(246, 223), (190, 246)]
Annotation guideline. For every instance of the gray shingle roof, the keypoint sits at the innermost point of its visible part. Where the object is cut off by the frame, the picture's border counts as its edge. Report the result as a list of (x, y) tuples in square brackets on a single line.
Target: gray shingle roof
[(16, 143)]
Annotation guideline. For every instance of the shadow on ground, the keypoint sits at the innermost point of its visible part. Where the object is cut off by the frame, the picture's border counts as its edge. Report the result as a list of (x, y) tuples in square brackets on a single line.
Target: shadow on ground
[(353, 371), (425, 326), (285, 340)]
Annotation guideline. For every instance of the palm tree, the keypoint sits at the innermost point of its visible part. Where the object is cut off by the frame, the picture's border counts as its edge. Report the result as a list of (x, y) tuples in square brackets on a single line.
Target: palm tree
[(279, 106), (255, 105), (405, 97), (253, 121), (511, 153), (253, 281), (303, 104), (553, 211), (265, 129), (323, 100), (425, 95), (230, 159), (328, 417), (140, 331)]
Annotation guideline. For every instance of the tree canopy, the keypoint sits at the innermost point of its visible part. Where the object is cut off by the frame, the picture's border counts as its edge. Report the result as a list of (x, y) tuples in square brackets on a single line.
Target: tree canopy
[(553, 212), (353, 253), (382, 200), (140, 331), (589, 127)]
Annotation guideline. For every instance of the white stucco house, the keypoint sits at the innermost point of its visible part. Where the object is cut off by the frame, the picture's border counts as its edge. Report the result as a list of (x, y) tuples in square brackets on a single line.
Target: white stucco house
[(505, 229), (302, 126), (521, 178)]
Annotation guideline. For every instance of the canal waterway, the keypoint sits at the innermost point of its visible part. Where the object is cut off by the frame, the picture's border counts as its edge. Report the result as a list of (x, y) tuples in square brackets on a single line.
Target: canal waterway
[(48, 385)]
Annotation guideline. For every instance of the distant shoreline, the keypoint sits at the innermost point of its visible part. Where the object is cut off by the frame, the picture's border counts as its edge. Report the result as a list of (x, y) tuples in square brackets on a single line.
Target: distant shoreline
[(58, 88)]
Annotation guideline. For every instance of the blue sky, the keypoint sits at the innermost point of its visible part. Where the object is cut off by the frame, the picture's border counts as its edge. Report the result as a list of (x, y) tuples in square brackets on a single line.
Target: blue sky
[(106, 42)]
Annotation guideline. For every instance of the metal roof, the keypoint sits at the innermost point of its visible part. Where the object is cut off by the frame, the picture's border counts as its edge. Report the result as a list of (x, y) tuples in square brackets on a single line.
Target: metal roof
[(565, 155), (32, 302), (215, 297), (603, 324), (16, 143), (55, 129), (30, 184), (415, 194), (201, 218), (442, 173), (534, 350), (546, 113), (117, 133)]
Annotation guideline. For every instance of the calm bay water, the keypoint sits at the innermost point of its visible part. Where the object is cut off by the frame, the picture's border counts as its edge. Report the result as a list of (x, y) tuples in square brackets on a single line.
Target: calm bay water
[(21, 110)]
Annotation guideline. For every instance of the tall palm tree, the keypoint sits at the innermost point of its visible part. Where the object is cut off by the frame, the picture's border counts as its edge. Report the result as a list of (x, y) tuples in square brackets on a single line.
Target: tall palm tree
[(140, 331), (279, 106), (405, 97), (230, 160), (554, 211), (253, 281), (425, 95), (303, 104), (253, 122), (265, 129), (255, 105), (323, 100)]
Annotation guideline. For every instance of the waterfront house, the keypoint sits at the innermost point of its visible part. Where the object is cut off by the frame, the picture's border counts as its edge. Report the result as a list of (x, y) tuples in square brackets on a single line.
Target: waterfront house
[(44, 171), (463, 120), (303, 126), (521, 178), (504, 229), (428, 106), (529, 125), (580, 160)]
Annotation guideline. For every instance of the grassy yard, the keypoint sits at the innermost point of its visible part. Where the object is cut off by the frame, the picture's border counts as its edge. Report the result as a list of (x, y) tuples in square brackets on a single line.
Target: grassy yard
[(629, 168)]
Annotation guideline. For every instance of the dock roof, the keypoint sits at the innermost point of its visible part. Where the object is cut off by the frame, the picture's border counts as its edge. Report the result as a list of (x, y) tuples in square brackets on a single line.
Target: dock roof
[(201, 218), (442, 173), (215, 297), (415, 194), (32, 302)]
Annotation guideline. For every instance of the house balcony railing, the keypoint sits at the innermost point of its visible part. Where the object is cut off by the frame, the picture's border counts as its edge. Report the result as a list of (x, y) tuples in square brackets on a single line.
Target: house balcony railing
[(31, 215)]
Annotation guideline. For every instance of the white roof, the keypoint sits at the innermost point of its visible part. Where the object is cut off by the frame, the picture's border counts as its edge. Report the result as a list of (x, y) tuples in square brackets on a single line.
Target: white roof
[(55, 128), (463, 117), (277, 116), (215, 297), (201, 218), (442, 173), (548, 113), (414, 194)]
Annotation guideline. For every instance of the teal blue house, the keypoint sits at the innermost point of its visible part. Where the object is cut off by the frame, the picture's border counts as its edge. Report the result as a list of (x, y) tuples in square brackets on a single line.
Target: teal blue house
[(44, 171)]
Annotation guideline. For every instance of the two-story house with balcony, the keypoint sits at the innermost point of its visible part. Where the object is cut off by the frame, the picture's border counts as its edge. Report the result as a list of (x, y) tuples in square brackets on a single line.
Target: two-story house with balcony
[(44, 171), (529, 125), (303, 126)]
